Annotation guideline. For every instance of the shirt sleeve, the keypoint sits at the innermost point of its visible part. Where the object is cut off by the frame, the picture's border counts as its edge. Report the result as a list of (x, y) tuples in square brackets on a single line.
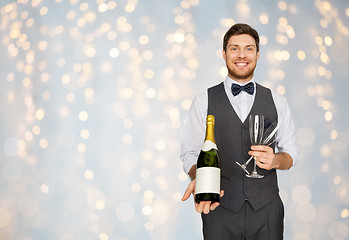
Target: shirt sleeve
[(285, 136), (193, 134)]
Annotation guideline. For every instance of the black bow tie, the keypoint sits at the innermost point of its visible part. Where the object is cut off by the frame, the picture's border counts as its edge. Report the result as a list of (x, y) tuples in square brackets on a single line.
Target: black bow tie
[(236, 89)]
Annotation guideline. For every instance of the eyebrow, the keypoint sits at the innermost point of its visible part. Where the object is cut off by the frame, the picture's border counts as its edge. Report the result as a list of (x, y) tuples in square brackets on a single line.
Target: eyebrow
[(236, 45)]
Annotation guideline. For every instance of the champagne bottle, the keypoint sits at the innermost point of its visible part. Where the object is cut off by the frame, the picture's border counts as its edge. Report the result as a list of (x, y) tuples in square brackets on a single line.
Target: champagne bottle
[(208, 172)]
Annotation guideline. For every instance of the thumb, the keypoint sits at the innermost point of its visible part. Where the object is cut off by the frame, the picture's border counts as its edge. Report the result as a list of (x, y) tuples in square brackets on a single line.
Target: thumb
[(190, 190)]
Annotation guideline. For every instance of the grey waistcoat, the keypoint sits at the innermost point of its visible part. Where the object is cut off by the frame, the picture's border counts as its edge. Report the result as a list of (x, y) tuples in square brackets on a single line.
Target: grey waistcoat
[(233, 142)]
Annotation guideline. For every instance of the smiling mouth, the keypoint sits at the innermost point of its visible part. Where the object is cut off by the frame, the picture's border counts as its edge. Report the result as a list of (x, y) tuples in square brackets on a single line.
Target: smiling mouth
[(241, 64)]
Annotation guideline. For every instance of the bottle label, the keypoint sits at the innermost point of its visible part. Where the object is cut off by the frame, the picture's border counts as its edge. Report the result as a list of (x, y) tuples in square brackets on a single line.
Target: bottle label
[(208, 180), (208, 145)]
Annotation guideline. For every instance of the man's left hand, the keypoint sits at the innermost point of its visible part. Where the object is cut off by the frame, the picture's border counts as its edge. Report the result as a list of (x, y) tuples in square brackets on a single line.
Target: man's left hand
[(264, 155)]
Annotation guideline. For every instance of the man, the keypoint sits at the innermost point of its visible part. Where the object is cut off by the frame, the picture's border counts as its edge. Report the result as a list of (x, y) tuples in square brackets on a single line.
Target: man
[(250, 208)]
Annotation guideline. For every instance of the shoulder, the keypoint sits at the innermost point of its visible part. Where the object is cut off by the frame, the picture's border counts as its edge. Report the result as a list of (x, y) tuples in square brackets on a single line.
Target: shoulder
[(281, 105), (200, 100), (216, 89), (260, 87), (202, 97), (219, 85), (278, 98), (280, 101)]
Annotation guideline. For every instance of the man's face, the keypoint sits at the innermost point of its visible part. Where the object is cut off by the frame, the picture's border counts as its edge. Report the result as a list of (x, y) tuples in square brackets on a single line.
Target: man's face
[(241, 57)]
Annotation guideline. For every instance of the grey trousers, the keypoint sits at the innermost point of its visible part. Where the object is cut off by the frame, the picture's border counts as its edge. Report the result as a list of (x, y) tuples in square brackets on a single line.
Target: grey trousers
[(246, 224)]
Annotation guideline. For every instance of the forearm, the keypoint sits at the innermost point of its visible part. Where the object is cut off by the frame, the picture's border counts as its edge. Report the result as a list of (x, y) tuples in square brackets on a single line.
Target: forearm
[(283, 161)]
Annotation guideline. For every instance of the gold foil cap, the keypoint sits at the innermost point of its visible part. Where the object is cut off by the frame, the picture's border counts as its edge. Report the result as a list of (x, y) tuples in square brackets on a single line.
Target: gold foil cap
[(210, 119)]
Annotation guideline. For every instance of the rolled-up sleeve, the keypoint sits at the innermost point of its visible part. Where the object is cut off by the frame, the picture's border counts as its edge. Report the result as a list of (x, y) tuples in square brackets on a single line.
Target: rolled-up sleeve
[(285, 136)]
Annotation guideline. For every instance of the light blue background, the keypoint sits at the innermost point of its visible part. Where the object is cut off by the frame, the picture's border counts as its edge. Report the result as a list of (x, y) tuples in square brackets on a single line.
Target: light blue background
[(94, 95)]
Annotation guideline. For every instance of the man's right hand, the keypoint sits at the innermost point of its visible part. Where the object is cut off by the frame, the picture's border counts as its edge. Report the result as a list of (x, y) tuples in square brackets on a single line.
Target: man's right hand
[(204, 206)]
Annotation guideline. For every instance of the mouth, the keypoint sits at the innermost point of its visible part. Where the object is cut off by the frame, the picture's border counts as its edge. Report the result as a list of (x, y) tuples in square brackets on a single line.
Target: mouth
[(241, 64)]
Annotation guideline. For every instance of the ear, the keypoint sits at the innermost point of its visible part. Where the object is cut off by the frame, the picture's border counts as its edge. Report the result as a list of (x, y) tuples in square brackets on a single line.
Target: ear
[(224, 55), (257, 55)]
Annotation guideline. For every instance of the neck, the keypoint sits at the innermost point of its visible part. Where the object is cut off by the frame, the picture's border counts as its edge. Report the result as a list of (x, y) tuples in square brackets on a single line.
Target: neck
[(241, 81)]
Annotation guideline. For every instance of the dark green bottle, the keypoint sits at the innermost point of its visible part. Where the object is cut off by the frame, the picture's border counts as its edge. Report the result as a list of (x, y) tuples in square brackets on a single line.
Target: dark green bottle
[(208, 172)]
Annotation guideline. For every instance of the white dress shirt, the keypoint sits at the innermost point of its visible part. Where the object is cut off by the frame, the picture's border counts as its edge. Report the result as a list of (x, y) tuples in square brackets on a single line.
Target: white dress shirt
[(194, 128)]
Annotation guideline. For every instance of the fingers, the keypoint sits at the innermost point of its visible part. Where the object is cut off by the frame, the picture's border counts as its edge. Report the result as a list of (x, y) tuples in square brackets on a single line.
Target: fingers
[(262, 154), (261, 151), (204, 206), (190, 190), (200, 207), (207, 206), (260, 164), (206, 209), (261, 148), (214, 205), (264, 163)]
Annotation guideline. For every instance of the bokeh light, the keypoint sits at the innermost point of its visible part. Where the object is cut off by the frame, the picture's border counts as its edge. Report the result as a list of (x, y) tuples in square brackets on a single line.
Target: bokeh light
[(94, 95)]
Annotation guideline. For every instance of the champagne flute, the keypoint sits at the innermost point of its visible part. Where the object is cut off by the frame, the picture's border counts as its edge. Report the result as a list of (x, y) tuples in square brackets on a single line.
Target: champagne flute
[(269, 134), (267, 141), (256, 128)]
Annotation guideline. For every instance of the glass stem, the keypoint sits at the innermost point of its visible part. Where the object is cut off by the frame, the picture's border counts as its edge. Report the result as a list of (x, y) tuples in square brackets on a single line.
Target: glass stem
[(254, 167), (248, 161)]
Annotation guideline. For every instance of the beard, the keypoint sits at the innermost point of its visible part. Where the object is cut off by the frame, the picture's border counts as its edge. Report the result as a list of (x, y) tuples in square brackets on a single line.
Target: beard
[(240, 76)]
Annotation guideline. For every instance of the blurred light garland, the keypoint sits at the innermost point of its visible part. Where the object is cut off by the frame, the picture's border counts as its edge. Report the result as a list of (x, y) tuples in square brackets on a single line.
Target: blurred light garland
[(94, 94)]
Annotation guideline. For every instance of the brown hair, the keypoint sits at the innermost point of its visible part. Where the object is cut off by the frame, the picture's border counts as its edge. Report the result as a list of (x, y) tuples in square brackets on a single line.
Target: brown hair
[(238, 29)]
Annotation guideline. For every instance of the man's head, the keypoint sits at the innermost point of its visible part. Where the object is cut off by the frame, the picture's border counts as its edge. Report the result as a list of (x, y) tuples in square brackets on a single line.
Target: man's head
[(241, 52), (238, 29)]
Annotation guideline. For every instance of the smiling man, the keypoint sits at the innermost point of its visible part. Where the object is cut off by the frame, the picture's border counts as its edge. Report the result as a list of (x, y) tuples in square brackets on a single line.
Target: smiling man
[(249, 208)]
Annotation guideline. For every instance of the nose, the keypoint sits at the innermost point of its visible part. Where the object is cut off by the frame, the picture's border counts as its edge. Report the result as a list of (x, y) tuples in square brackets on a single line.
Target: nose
[(242, 53)]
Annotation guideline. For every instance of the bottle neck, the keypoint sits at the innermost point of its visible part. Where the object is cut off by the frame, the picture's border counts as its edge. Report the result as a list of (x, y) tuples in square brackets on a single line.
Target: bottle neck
[(210, 132)]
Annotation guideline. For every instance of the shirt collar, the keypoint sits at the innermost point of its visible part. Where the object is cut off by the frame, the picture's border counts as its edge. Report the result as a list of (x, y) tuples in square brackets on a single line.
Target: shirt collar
[(228, 81)]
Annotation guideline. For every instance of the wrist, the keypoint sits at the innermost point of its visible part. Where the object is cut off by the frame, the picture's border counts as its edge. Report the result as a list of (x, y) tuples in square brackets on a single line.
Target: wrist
[(192, 172)]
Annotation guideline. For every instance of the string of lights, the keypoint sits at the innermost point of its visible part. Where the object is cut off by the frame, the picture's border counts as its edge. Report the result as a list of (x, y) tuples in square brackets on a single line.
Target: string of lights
[(94, 94)]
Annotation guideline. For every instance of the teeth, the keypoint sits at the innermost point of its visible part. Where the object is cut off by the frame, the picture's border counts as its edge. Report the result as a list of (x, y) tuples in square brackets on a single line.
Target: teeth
[(241, 64)]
